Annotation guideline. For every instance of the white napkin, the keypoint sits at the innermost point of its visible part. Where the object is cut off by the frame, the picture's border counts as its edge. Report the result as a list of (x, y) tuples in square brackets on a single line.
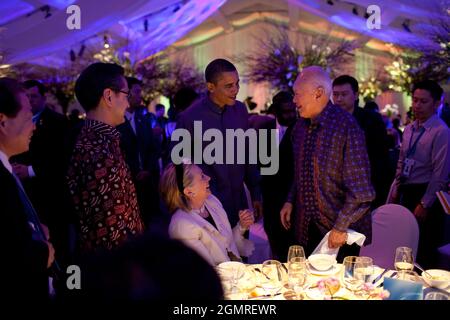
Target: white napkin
[(353, 237)]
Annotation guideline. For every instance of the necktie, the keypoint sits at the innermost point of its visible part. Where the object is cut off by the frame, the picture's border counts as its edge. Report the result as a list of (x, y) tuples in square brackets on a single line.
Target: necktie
[(35, 224), (32, 216)]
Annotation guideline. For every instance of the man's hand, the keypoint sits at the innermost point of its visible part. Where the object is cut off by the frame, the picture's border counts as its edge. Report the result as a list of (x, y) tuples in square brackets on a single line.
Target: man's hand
[(246, 219), (257, 208), (420, 213), (20, 170), (51, 254), (285, 215), (337, 239)]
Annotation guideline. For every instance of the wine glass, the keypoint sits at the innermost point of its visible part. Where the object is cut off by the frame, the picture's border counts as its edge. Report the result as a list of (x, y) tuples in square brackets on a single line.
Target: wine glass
[(273, 279), (296, 252), (297, 275), (404, 260)]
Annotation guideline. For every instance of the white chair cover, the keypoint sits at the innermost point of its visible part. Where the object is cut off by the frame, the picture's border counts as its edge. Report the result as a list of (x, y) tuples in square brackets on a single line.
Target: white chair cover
[(392, 226)]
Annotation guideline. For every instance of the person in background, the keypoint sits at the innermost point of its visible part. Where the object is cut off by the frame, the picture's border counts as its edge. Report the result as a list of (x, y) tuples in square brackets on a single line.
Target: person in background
[(331, 190), (198, 217), (139, 147), (345, 95), (102, 191), (220, 110), (275, 188), (423, 169), (25, 244)]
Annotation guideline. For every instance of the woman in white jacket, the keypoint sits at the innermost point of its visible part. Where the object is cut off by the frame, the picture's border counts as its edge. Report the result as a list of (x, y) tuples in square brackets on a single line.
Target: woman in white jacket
[(199, 219)]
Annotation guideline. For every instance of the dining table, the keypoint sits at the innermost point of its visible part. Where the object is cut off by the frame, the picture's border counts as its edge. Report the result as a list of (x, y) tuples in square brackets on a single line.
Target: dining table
[(319, 285)]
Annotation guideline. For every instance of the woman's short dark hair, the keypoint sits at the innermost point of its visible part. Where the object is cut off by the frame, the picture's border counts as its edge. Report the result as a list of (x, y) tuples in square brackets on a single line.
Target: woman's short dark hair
[(94, 80), (216, 67), (9, 101)]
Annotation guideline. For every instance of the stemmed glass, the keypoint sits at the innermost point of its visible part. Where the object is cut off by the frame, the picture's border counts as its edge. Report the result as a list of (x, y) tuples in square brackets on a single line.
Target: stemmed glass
[(297, 275), (273, 276), (404, 260), (296, 252)]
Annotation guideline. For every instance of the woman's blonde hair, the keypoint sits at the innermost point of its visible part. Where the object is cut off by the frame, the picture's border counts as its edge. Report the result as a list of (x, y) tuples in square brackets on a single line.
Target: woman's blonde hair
[(169, 189)]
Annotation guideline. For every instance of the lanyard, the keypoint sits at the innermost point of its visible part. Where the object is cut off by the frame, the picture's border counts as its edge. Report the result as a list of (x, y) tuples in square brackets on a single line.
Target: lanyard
[(412, 150)]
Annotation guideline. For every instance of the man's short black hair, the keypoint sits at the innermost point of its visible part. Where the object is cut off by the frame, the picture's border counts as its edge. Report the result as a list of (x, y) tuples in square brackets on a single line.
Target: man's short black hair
[(94, 80), (431, 86), (9, 101), (34, 83), (346, 79), (132, 81), (184, 97), (217, 67), (280, 98)]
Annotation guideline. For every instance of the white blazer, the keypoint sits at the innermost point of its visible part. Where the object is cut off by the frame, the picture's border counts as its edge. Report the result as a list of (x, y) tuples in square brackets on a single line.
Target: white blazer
[(211, 243)]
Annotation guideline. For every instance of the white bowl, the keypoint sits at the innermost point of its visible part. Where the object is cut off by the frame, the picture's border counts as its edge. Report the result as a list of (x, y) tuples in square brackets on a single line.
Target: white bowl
[(439, 278), (321, 261), (229, 269)]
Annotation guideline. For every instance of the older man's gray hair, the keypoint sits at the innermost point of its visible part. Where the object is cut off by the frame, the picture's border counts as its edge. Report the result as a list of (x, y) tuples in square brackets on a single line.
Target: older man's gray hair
[(317, 77)]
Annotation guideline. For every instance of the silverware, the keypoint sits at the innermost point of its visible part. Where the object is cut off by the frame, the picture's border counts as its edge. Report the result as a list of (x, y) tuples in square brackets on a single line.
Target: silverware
[(380, 276), (265, 296), (390, 276), (257, 269), (421, 269), (285, 267)]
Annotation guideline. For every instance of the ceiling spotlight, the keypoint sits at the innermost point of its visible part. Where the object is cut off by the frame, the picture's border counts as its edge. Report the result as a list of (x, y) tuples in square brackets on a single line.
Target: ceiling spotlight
[(146, 25), (72, 55), (80, 53), (355, 11), (405, 26), (330, 2), (105, 42), (46, 9)]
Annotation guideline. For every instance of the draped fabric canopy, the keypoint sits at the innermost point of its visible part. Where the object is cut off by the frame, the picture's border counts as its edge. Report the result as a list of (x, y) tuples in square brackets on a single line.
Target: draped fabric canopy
[(35, 30)]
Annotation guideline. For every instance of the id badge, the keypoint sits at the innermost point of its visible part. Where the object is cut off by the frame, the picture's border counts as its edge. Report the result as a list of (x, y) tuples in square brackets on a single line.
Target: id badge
[(408, 164)]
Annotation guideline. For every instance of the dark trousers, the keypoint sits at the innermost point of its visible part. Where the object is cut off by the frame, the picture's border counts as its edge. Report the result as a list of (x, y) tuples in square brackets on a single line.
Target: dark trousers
[(431, 230), (314, 238)]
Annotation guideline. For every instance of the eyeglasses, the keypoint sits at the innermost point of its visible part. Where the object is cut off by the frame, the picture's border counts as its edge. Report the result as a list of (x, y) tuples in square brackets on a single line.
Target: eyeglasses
[(128, 93)]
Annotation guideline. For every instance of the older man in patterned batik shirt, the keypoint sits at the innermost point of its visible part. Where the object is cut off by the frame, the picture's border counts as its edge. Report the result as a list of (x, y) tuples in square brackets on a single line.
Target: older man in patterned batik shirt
[(100, 185), (331, 189)]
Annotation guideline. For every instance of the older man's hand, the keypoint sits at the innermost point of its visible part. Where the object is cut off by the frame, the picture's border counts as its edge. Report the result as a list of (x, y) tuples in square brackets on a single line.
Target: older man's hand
[(337, 239)]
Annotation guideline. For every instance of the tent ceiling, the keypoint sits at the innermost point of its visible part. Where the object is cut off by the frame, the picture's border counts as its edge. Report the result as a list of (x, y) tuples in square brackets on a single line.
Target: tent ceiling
[(29, 34)]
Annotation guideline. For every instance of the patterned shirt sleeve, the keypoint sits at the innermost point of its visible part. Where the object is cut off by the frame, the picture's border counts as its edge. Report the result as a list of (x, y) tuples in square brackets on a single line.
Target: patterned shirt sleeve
[(356, 175)]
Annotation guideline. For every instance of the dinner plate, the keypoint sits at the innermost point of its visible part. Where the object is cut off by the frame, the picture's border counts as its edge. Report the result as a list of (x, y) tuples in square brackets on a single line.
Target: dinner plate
[(333, 270)]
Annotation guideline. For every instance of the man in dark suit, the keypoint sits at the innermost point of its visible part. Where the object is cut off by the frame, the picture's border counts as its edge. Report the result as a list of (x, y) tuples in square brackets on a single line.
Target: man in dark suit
[(138, 145), (345, 95), (275, 188), (42, 168), (25, 248)]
